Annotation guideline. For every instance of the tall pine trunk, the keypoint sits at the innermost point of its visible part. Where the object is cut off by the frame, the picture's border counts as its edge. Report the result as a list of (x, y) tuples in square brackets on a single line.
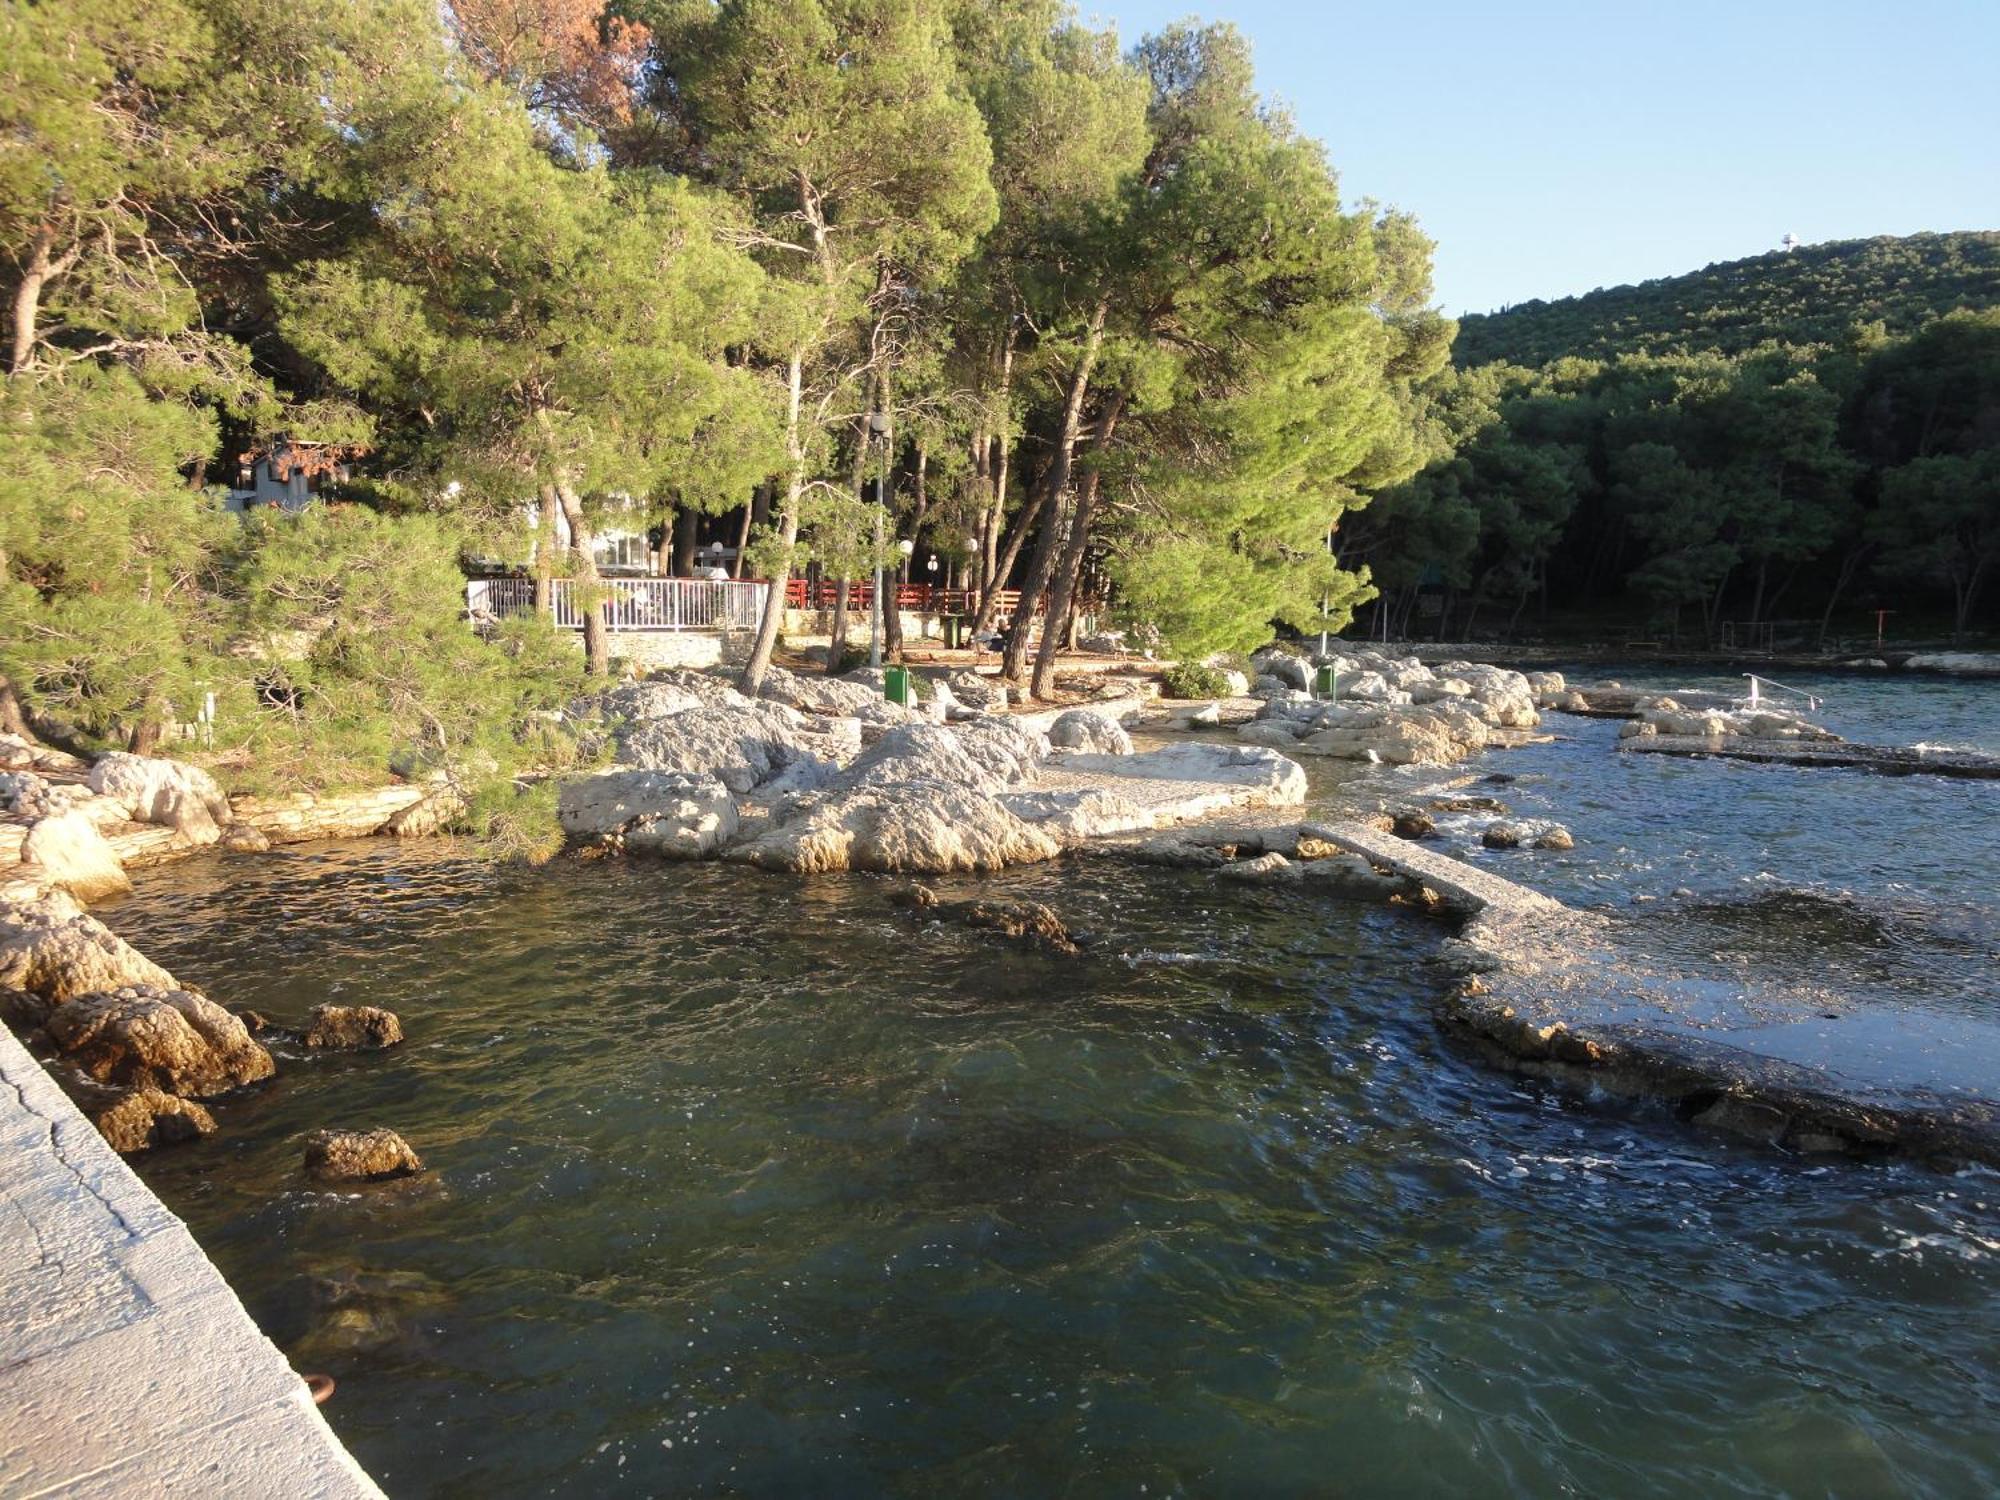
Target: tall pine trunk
[(752, 680), (1062, 595), (836, 636), (1054, 484), (989, 598), (545, 553), (596, 637), (991, 574)]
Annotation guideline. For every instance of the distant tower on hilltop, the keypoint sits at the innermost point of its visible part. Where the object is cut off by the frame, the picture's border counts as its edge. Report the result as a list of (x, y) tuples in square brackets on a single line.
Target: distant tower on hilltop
[(1791, 242)]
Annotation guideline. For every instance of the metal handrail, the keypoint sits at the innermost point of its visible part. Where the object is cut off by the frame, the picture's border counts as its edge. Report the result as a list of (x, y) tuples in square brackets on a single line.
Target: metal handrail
[(1812, 700), (643, 604)]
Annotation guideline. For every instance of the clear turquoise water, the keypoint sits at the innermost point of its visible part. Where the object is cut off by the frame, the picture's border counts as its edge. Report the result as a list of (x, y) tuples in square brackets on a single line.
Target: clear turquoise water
[(751, 1186)]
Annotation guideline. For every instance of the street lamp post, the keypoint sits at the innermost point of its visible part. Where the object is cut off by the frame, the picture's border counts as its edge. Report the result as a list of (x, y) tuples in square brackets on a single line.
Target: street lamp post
[(878, 427)]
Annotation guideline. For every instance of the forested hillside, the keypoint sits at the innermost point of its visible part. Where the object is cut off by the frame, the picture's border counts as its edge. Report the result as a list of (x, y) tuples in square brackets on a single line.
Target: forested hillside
[(1769, 451), (1813, 295)]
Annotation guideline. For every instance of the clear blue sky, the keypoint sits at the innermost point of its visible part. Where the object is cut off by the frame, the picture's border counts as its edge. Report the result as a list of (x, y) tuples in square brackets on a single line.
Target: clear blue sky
[(1550, 148)]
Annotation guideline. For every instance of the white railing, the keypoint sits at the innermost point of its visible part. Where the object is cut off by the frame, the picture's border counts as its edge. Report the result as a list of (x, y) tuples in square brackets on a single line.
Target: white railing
[(629, 603), (1757, 684)]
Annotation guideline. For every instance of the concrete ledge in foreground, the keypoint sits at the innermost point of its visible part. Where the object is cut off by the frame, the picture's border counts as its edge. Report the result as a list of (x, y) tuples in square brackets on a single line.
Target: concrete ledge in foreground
[(127, 1365)]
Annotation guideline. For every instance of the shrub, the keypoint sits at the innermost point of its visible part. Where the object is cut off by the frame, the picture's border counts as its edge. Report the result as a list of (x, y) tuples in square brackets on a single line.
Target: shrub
[(1191, 679)]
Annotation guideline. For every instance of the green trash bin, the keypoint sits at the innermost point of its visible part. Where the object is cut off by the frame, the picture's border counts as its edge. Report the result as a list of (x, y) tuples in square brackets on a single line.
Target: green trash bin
[(1326, 684), (954, 631), (898, 687)]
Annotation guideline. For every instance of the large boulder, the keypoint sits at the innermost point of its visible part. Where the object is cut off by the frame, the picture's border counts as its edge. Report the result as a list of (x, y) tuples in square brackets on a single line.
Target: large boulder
[(649, 812), (142, 1036), (977, 690), (1288, 669), (50, 948), (145, 1118), (66, 849), (1395, 741), (921, 799), (20, 754), (1085, 729), (915, 826), (858, 695), (740, 747), (352, 1028), (1278, 734), (359, 1156), (988, 753), (167, 792)]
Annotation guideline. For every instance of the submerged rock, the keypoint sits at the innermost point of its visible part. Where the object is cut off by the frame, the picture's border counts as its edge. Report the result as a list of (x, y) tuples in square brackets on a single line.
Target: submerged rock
[(1027, 920), (142, 1036), (1410, 824), (1265, 867), (1352, 876), (359, 1156), (52, 949), (1277, 734), (145, 1118), (352, 1028), (241, 838)]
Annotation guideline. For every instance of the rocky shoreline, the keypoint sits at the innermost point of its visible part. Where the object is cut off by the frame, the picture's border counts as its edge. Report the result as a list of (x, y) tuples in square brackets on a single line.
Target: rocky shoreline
[(825, 775)]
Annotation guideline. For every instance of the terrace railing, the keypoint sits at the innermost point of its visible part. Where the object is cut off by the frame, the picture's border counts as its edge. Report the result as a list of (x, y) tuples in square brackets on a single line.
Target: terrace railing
[(629, 603), (917, 598)]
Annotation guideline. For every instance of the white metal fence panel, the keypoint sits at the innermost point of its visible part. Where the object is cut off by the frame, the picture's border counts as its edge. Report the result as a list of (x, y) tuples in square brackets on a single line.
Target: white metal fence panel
[(630, 603)]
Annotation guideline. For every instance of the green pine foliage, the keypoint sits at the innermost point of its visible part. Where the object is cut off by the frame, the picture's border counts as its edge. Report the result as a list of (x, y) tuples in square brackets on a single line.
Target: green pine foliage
[(1816, 294), (1731, 449)]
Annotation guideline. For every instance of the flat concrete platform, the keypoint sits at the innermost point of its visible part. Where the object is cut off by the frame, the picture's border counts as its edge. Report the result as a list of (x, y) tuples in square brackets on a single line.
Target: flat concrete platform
[(1883, 760), (1621, 1005), (127, 1365)]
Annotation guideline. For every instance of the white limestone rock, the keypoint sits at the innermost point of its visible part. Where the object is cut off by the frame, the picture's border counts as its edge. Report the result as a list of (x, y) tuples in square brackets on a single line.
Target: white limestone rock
[(1958, 663), (1264, 777), (65, 849), (1083, 729), (913, 826), (1074, 817), (1279, 734), (19, 754), (1289, 670), (977, 690), (660, 695), (674, 816), (741, 747), (1269, 868), (1436, 734), (164, 792), (50, 948)]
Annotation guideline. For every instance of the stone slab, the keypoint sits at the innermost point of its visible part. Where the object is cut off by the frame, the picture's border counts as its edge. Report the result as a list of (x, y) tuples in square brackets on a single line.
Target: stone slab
[(127, 1365)]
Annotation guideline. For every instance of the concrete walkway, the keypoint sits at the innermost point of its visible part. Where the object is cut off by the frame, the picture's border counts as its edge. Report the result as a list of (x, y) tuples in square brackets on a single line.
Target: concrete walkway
[(127, 1365)]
